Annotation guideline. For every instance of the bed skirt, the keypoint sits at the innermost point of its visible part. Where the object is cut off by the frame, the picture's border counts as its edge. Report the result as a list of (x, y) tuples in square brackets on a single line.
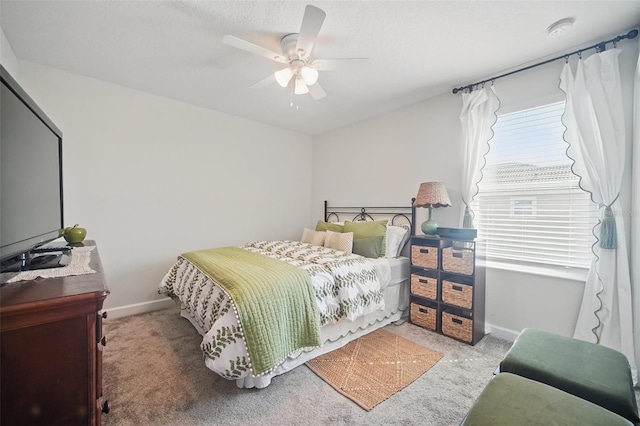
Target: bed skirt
[(336, 335)]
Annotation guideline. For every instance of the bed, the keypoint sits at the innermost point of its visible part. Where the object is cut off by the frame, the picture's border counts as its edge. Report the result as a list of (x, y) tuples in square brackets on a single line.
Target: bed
[(328, 298)]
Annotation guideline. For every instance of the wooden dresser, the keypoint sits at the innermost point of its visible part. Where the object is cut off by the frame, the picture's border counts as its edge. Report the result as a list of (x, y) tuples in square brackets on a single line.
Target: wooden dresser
[(51, 349)]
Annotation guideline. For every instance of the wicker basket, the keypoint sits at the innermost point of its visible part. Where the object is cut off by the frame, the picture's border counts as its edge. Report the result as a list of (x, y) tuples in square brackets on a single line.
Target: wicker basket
[(456, 294), (458, 327), (425, 257), (424, 286), (423, 316), (457, 260)]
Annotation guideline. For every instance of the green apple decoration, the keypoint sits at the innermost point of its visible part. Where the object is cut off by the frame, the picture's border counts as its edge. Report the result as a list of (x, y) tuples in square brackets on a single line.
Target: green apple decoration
[(74, 234)]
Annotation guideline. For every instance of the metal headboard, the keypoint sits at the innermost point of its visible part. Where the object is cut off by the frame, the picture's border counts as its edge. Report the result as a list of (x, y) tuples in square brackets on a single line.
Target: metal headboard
[(404, 214)]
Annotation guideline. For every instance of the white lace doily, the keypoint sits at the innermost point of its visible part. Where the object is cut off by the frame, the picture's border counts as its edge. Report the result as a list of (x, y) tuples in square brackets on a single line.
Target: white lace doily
[(79, 265)]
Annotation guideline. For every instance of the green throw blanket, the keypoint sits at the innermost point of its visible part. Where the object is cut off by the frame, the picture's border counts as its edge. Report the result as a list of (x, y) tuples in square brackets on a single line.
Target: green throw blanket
[(274, 300)]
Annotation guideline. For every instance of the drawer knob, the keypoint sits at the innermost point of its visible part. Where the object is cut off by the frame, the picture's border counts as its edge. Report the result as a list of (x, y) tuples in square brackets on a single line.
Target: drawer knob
[(426, 251), (106, 407), (456, 287), (104, 315), (103, 341)]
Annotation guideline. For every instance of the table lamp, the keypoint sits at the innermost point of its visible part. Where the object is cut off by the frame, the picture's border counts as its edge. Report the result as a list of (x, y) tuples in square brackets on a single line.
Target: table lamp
[(431, 194)]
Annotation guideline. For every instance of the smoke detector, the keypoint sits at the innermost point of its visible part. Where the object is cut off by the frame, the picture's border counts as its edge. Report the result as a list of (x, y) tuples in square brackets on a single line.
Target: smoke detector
[(559, 28)]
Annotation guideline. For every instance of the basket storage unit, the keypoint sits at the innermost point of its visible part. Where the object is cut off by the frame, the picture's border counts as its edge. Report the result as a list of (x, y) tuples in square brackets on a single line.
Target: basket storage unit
[(424, 256), (424, 316), (447, 287), (424, 286), (457, 326), (458, 260), (457, 294)]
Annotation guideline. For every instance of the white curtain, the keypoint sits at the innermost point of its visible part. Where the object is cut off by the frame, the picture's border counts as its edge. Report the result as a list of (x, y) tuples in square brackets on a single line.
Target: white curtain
[(594, 118), (635, 209), (477, 117)]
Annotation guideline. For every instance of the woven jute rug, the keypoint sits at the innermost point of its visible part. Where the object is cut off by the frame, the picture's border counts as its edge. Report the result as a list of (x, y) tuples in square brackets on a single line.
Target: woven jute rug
[(374, 367)]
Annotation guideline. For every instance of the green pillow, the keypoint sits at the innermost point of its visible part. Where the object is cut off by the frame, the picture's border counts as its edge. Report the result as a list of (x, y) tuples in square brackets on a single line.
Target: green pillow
[(327, 226), (368, 247), (374, 228)]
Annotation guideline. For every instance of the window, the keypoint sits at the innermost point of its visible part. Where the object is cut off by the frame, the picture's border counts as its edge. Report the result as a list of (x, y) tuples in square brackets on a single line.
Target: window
[(521, 206), (529, 208)]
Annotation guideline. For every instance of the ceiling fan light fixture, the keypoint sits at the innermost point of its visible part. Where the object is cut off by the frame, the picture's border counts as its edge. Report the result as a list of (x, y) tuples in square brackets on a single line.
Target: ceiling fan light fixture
[(301, 88), (310, 75), (284, 76), (300, 72)]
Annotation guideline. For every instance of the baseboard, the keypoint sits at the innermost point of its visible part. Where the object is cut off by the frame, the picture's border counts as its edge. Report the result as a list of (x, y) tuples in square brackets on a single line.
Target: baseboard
[(501, 332), (139, 308)]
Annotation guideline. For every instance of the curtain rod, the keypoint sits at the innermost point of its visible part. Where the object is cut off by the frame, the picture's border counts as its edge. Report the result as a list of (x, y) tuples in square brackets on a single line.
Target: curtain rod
[(600, 46)]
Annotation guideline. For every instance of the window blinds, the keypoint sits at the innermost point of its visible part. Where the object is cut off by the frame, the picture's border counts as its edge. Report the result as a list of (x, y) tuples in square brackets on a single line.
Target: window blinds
[(529, 208)]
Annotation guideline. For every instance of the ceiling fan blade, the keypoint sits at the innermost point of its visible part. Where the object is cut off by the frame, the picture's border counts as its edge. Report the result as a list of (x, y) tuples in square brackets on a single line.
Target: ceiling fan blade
[(334, 64), (311, 23), (270, 79), (317, 92), (253, 48)]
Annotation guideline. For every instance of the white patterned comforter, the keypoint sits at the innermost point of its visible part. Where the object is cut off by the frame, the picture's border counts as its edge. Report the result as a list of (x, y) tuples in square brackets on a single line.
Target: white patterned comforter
[(346, 286)]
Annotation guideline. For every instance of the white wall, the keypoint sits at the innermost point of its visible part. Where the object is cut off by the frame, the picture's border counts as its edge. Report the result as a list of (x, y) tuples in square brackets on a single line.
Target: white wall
[(7, 56), (151, 178), (381, 161)]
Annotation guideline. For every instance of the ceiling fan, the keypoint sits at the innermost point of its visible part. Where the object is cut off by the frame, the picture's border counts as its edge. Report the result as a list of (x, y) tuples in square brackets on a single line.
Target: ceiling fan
[(301, 70)]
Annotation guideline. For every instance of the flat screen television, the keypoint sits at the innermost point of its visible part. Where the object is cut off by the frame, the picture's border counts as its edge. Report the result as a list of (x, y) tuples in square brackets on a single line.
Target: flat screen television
[(31, 208)]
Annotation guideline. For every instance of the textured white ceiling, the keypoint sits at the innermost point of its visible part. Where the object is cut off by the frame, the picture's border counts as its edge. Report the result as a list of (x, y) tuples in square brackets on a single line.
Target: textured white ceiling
[(417, 49)]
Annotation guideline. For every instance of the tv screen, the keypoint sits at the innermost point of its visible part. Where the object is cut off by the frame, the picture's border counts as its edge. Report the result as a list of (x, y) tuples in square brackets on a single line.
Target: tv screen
[(31, 210)]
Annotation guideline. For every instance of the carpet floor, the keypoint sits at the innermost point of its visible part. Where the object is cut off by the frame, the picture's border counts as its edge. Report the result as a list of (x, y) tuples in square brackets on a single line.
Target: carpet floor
[(154, 374)]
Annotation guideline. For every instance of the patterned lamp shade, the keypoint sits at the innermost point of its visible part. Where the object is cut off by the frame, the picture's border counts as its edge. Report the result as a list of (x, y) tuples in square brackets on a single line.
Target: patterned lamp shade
[(430, 195)]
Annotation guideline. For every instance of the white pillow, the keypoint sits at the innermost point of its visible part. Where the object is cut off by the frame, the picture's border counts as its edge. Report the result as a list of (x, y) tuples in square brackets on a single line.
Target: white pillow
[(397, 237), (342, 241), (405, 239), (313, 237)]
